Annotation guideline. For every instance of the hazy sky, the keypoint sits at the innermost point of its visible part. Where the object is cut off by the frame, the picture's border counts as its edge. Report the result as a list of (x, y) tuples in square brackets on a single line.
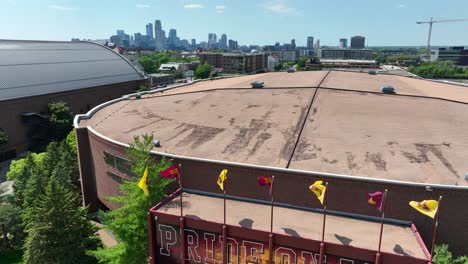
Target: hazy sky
[(248, 21)]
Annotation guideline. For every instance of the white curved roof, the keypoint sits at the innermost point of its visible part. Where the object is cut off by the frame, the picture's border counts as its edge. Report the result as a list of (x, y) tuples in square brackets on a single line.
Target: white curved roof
[(29, 68)]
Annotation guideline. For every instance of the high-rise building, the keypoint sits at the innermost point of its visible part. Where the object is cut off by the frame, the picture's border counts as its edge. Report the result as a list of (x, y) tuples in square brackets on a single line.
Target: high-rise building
[(317, 44), (159, 36), (233, 45), (343, 43), (172, 38), (310, 43), (357, 42), (212, 41), (223, 42), (194, 43), (149, 31), (124, 39), (293, 43)]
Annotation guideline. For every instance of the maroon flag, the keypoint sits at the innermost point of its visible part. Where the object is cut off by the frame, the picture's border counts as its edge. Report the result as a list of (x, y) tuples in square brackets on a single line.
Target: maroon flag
[(266, 181), (375, 199), (172, 172)]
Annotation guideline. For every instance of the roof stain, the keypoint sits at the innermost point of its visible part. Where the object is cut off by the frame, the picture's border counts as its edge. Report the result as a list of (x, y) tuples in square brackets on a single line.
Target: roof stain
[(377, 159), (424, 149)]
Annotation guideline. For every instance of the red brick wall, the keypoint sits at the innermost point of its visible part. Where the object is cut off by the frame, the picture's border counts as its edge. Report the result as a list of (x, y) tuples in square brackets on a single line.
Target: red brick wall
[(345, 194), (79, 101)]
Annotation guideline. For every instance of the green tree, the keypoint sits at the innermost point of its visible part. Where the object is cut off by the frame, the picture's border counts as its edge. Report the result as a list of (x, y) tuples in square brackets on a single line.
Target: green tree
[(444, 256), (11, 231), (28, 170), (60, 120), (148, 64), (16, 166), (203, 71), (129, 222), (3, 138), (60, 232)]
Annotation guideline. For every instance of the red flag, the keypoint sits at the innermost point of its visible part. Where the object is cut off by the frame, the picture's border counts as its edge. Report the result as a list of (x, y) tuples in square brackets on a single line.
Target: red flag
[(375, 199), (172, 172), (266, 181)]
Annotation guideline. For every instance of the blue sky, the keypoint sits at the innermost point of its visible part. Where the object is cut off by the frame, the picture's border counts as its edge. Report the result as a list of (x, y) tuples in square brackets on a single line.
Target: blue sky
[(248, 21)]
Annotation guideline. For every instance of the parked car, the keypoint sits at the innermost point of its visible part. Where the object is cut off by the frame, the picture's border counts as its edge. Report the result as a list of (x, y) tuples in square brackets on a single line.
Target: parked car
[(388, 89), (257, 84)]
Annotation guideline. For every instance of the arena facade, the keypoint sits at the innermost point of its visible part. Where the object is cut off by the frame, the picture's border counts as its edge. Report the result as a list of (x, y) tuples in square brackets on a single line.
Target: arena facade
[(301, 127)]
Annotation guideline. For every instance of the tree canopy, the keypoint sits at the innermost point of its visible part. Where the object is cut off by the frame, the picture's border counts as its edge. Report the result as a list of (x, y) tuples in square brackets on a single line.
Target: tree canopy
[(3, 138), (203, 71), (439, 69), (60, 120), (129, 222)]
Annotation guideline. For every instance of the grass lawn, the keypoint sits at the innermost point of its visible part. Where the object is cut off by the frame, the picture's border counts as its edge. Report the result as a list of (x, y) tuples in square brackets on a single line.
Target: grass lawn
[(11, 257)]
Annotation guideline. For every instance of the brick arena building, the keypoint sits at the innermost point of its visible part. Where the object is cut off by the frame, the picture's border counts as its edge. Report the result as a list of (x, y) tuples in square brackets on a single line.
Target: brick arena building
[(36, 73), (301, 127)]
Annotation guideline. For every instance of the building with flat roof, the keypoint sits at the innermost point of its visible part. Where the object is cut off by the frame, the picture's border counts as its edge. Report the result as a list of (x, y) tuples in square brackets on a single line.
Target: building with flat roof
[(358, 42), (458, 55), (36, 73), (347, 54), (301, 127), (236, 62), (343, 43)]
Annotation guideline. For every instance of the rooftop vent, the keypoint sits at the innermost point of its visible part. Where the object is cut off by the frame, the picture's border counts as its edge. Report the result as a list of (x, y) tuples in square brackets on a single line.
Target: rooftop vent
[(156, 143), (137, 96)]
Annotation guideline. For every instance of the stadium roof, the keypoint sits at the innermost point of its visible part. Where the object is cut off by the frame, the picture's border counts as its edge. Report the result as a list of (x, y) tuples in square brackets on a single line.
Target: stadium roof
[(345, 126), (29, 68)]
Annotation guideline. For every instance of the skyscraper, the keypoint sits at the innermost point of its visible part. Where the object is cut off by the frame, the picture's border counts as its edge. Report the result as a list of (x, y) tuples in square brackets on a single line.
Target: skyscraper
[(343, 43), (358, 42), (194, 43), (317, 44), (293, 43), (149, 31), (212, 40), (223, 42), (172, 38), (233, 45), (159, 36), (310, 42)]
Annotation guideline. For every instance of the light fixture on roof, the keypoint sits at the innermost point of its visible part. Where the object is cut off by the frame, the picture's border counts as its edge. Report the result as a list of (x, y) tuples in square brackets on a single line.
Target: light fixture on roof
[(156, 143)]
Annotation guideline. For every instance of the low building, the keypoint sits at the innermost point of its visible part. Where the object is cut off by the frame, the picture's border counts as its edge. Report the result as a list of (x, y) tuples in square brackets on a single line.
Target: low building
[(285, 55), (236, 62), (273, 61), (349, 54), (157, 79), (458, 55), (36, 73), (363, 64)]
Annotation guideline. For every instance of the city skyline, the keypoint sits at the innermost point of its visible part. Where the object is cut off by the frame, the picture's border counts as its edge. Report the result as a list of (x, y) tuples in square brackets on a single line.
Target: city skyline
[(281, 20)]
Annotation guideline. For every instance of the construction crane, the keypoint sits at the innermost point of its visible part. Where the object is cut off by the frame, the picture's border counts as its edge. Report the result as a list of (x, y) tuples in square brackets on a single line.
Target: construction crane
[(432, 21)]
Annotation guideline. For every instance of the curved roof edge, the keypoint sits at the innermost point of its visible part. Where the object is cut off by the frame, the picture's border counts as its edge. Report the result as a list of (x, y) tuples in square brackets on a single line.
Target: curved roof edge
[(142, 75), (90, 113)]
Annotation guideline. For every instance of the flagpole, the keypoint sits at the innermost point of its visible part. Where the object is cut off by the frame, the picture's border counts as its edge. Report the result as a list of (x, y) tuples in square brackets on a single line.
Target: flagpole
[(436, 223), (377, 256), (181, 220), (271, 220), (322, 244), (272, 203), (224, 226), (180, 186)]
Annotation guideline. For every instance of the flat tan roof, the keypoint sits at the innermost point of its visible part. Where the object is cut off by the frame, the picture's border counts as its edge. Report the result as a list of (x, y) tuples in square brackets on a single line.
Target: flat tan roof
[(339, 230), (351, 132)]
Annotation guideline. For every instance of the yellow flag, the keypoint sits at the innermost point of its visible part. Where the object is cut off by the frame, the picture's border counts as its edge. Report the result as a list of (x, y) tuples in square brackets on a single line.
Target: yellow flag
[(318, 189), (221, 178), (427, 207), (143, 184)]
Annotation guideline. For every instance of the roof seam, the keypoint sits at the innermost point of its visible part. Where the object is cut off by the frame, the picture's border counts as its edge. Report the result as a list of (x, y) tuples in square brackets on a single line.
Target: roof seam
[(93, 78), (58, 62)]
